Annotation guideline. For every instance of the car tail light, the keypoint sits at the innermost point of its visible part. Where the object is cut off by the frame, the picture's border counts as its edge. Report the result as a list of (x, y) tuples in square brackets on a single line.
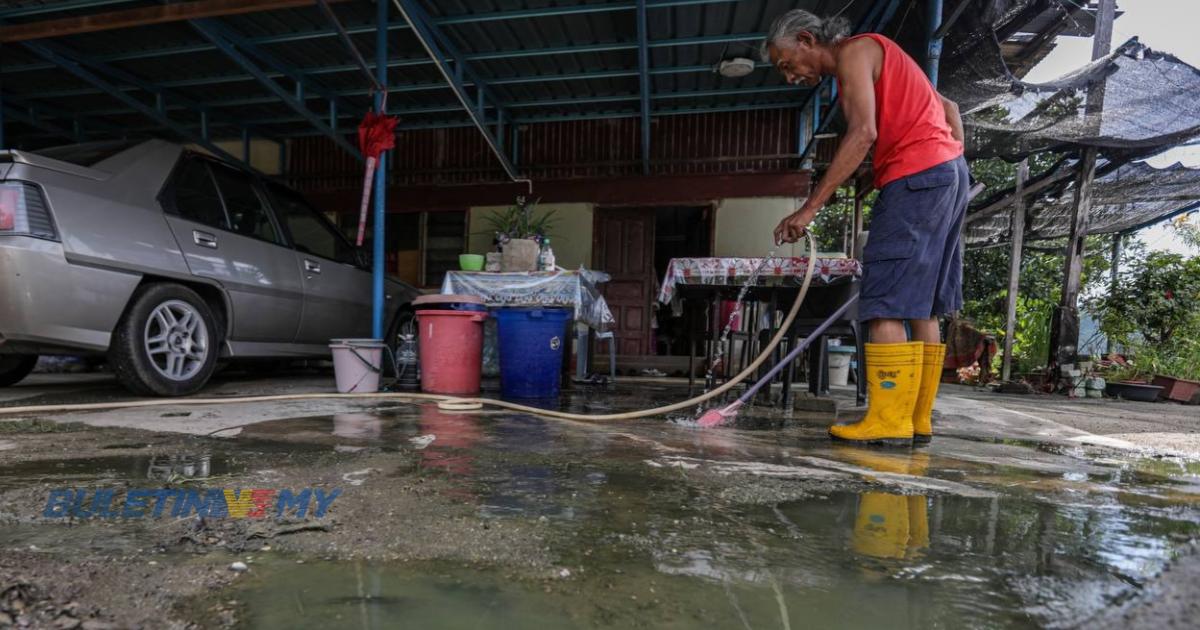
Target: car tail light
[(23, 210)]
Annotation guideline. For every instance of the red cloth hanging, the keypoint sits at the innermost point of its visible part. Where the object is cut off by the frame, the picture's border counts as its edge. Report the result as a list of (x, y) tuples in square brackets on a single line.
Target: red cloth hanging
[(376, 134)]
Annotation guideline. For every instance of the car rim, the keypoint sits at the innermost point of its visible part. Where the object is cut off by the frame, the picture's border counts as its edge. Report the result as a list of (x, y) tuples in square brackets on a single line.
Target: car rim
[(176, 340)]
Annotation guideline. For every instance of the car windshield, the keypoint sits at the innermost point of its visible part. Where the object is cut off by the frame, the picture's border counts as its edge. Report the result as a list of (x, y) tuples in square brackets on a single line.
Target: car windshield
[(88, 153)]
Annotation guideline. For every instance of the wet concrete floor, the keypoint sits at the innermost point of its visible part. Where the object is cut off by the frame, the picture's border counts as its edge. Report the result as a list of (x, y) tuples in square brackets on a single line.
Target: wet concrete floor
[(500, 520)]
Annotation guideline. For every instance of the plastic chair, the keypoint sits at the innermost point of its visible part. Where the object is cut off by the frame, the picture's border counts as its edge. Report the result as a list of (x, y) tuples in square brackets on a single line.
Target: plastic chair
[(612, 351)]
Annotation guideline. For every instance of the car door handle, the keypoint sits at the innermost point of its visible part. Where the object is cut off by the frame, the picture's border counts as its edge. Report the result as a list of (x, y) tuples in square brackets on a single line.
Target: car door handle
[(311, 266), (204, 239)]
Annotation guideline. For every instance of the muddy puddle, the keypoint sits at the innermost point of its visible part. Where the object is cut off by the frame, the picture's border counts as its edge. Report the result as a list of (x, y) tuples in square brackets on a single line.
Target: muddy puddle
[(647, 527), (498, 520)]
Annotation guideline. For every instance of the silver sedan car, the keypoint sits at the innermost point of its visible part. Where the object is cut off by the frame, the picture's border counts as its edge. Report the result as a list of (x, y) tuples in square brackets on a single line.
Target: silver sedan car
[(167, 261)]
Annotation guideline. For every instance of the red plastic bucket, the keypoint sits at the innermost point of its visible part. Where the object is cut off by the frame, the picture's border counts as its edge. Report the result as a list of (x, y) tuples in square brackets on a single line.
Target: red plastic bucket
[(451, 346)]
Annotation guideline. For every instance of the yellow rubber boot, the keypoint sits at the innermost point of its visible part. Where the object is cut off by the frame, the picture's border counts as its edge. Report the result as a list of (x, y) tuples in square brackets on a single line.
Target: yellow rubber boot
[(893, 378), (881, 526), (931, 376)]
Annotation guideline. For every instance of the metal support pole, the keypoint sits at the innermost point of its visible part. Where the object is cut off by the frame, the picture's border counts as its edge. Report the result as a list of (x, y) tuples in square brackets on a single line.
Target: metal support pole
[(500, 136), (283, 157), (644, 80), (1064, 331), (933, 54), (246, 146), (2, 145), (377, 269), (1017, 229), (204, 125), (1113, 280), (516, 144)]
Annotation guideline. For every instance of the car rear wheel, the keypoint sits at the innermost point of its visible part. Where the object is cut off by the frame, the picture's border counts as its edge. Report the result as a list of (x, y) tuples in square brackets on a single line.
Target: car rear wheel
[(14, 367), (167, 342)]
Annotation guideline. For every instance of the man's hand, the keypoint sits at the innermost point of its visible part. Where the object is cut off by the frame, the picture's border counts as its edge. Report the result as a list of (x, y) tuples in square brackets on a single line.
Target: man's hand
[(792, 227)]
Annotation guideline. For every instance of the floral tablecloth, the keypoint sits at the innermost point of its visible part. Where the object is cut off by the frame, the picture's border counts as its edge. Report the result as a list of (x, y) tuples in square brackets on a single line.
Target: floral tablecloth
[(736, 271), (574, 289)]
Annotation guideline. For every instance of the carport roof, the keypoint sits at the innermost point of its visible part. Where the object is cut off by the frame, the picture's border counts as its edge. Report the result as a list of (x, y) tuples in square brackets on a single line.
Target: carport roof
[(542, 60)]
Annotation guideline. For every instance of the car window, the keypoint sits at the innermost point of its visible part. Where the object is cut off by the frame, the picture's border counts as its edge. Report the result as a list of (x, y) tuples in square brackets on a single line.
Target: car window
[(311, 232), (194, 196), (248, 215)]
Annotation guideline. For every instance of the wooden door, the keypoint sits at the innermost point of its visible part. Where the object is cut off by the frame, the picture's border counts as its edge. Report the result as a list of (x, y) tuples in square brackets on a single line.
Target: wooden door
[(624, 247)]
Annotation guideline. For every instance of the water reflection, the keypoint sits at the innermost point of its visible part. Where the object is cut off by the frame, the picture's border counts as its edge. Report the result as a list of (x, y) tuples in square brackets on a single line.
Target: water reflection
[(888, 525), (166, 467), (455, 436), (358, 426)]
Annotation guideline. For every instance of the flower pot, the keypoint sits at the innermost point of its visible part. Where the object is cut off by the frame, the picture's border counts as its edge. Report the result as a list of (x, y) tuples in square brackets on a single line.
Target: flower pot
[(1177, 389), (520, 254), (1134, 391)]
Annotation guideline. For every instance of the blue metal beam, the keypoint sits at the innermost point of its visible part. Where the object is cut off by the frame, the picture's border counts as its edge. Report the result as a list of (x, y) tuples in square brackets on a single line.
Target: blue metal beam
[(55, 7), (66, 61), (297, 76), (268, 100), (13, 113), (597, 100), (473, 18), (44, 112), (361, 29), (933, 54), (380, 233), (215, 34), (515, 122), (440, 49), (644, 82), (161, 96)]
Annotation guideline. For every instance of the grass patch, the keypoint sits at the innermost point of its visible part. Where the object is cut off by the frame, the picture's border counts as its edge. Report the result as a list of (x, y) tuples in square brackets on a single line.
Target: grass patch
[(38, 425)]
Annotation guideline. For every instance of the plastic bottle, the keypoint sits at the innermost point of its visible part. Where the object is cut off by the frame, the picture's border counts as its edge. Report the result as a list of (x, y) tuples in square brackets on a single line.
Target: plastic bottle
[(546, 257)]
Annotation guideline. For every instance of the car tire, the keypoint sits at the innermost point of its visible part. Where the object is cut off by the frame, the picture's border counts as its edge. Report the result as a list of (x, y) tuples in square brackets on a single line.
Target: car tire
[(14, 367), (392, 341), (166, 343)]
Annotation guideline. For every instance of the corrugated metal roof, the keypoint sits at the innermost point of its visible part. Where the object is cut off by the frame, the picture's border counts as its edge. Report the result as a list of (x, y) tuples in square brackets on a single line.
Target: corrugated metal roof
[(541, 58)]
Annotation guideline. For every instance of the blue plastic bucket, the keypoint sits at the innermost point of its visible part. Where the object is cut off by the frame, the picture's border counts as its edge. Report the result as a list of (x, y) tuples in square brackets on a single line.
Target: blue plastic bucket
[(532, 342)]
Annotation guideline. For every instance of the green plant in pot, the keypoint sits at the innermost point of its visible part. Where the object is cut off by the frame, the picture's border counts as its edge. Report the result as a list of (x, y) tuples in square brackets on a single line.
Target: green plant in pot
[(519, 230)]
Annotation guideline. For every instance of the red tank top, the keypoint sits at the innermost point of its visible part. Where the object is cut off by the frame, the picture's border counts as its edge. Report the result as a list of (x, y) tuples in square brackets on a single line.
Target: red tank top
[(912, 132)]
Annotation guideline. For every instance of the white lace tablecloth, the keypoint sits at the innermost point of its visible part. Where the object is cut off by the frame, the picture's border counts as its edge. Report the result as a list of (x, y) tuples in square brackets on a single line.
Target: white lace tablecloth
[(736, 271), (574, 289)]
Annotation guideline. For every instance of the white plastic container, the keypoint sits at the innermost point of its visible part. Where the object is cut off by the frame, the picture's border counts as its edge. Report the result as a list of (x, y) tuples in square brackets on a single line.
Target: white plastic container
[(839, 364), (357, 364)]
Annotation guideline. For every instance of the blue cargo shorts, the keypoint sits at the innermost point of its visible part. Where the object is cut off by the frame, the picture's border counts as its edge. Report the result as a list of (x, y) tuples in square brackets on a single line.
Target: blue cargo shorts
[(912, 265)]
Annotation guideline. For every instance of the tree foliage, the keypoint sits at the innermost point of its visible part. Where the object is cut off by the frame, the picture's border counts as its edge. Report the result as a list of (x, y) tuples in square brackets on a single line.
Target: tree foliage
[(1157, 298), (1039, 286)]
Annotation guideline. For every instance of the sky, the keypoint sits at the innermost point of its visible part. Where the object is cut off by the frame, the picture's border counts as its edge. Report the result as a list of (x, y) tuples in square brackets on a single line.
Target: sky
[(1166, 25)]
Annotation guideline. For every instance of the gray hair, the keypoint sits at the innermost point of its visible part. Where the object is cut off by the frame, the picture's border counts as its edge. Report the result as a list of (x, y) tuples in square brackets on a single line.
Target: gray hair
[(826, 30)]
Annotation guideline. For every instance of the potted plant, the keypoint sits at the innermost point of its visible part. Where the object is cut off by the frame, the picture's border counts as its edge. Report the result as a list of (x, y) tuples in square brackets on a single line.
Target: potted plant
[(520, 231), (1155, 311), (1128, 381), (1177, 370)]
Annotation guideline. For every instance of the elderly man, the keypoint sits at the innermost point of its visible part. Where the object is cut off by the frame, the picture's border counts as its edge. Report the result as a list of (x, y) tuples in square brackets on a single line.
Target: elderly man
[(912, 265)]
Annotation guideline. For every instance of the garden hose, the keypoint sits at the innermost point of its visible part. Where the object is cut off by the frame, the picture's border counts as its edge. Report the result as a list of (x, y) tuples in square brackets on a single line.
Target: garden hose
[(453, 403)]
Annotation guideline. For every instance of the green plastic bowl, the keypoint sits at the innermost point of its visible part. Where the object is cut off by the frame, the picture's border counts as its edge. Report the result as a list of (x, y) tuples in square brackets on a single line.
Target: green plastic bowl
[(471, 262)]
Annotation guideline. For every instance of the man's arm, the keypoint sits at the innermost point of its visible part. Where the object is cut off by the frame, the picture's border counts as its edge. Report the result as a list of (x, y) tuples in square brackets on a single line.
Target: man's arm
[(856, 80), (953, 118)]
